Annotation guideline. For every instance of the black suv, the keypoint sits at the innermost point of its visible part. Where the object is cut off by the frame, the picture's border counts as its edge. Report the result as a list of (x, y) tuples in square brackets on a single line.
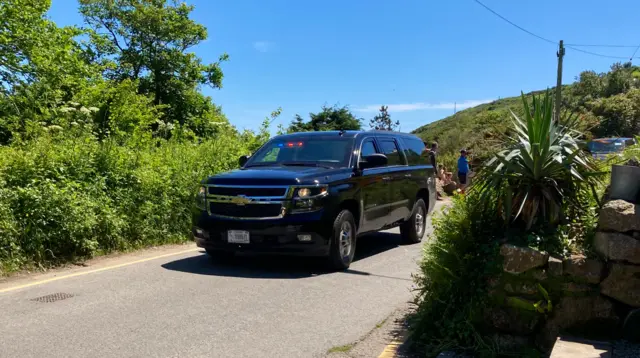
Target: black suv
[(314, 193)]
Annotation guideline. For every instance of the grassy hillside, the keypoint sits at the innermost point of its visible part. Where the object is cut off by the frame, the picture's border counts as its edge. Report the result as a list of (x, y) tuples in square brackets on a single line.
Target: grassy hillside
[(477, 129), (607, 103)]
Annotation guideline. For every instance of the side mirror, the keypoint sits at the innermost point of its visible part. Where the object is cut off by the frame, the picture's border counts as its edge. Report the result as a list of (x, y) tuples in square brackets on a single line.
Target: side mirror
[(243, 160), (374, 161)]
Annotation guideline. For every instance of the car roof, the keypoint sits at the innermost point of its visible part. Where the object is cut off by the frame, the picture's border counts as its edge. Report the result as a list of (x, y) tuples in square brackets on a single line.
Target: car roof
[(344, 134), (610, 139)]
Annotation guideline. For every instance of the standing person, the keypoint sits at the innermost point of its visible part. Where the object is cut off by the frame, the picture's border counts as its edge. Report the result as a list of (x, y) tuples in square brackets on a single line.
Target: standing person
[(434, 151), (463, 169)]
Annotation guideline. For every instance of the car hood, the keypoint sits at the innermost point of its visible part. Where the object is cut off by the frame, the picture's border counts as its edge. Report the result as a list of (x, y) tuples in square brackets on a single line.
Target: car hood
[(276, 176)]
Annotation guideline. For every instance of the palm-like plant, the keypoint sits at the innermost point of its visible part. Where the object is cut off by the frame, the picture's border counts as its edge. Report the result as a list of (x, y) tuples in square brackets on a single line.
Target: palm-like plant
[(543, 168)]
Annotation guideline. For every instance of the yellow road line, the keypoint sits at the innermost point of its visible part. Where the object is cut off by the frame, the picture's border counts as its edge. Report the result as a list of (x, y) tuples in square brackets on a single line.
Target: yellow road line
[(82, 273), (392, 348)]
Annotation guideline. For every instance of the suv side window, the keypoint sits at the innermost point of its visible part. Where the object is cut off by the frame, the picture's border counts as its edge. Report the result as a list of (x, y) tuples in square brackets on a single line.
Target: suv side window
[(368, 148), (415, 151), (390, 149)]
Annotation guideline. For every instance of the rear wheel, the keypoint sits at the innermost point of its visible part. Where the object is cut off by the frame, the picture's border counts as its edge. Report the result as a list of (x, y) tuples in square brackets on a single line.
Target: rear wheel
[(413, 229), (343, 241)]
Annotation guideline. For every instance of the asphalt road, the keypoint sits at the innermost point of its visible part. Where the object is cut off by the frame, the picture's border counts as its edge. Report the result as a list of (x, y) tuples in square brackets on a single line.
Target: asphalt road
[(183, 305)]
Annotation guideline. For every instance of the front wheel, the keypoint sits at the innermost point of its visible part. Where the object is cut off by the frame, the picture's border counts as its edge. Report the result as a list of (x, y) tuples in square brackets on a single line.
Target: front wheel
[(413, 229), (343, 241)]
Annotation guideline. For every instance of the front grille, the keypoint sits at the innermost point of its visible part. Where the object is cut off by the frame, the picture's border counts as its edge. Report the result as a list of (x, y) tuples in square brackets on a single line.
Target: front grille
[(251, 192), (246, 211)]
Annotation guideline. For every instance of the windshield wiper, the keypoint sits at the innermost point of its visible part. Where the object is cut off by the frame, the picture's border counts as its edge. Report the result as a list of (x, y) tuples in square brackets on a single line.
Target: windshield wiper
[(306, 164), (266, 164)]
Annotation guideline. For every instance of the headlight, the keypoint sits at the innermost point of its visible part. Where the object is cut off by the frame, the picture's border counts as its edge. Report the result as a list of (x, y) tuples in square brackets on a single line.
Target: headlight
[(308, 199), (201, 198), (304, 192), (310, 192)]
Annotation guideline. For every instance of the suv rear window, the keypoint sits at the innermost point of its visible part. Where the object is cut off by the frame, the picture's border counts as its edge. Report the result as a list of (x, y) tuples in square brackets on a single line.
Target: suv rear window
[(415, 151)]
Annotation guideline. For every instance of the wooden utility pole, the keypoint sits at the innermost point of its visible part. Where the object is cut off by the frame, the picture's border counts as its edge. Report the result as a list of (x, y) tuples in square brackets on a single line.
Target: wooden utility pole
[(560, 54)]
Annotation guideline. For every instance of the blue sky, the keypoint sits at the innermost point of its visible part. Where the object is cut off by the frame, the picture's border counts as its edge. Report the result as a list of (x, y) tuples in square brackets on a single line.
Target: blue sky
[(418, 57)]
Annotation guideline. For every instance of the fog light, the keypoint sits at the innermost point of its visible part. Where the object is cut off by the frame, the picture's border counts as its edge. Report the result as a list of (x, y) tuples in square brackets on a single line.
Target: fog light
[(304, 238), (304, 203)]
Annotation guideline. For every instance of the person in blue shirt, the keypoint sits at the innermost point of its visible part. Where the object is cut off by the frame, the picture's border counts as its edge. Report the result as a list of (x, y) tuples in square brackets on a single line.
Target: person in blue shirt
[(463, 168)]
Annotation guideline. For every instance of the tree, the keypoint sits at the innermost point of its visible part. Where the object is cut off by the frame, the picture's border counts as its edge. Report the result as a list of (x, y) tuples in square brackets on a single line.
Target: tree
[(32, 47), (330, 118), (42, 66), (620, 79), (619, 115), (148, 41), (382, 121), (299, 125)]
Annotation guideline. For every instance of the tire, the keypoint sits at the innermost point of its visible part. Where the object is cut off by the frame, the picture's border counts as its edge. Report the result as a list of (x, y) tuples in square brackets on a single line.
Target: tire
[(220, 255), (413, 229), (343, 241)]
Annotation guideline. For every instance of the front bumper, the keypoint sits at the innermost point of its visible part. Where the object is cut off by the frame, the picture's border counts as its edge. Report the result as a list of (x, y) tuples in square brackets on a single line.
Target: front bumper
[(278, 236)]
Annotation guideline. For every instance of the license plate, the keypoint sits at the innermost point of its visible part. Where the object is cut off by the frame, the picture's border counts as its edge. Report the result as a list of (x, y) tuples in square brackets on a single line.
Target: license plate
[(238, 237)]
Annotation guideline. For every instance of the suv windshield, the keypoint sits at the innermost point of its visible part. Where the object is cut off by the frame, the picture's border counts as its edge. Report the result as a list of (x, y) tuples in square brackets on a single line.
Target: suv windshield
[(333, 152), (606, 146)]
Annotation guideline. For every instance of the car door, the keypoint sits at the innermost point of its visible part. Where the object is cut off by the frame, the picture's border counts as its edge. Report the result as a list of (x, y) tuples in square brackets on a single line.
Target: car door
[(374, 190), (396, 176)]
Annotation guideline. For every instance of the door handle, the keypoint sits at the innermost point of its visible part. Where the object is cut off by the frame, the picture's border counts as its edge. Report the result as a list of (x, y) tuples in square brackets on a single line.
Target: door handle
[(407, 175)]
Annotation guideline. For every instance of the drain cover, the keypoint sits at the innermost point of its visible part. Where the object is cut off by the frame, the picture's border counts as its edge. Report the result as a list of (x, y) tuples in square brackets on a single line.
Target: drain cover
[(53, 297)]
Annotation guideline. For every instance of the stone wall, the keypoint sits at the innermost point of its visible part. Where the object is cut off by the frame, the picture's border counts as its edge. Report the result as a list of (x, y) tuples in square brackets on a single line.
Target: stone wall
[(588, 295), (618, 242)]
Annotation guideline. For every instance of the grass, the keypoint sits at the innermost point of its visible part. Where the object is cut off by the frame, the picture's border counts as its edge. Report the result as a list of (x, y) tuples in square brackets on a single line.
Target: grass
[(477, 129), (341, 349)]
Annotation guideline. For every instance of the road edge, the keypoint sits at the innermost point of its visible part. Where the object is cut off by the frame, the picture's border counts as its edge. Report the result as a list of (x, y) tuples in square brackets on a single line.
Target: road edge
[(391, 350), (385, 340), (28, 279)]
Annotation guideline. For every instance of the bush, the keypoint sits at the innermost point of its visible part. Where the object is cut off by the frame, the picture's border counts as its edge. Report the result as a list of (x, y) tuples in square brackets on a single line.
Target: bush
[(452, 292), (542, 169), (540, 192), (632, 152), (65, 198)]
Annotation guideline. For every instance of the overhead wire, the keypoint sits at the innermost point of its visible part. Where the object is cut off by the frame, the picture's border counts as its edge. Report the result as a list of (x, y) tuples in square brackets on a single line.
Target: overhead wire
[(570, 46), (597, 45), (514, 24), (597, 54)]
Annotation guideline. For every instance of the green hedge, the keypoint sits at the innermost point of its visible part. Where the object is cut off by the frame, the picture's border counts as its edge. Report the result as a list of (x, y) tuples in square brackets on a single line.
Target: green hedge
[(72, 197), (452, 292)]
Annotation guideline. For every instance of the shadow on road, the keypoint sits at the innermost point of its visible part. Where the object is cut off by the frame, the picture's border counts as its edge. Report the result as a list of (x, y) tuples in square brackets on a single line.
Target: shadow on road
[(282, 267)]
